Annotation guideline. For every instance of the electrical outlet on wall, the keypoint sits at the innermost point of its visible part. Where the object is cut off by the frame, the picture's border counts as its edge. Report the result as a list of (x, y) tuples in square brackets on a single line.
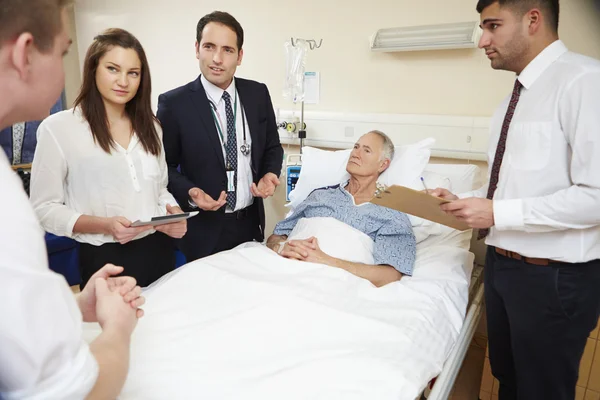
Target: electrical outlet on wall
[(349, 131)]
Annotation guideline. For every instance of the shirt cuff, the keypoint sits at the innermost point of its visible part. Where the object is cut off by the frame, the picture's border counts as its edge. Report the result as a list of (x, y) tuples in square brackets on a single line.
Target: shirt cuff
[(466, 195), (167, 201), (508, 214), (71, 225), (281, 232), (192, 204)]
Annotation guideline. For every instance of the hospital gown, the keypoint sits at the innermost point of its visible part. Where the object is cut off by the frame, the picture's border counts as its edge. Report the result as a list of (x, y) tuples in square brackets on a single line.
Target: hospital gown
[(390, 230)]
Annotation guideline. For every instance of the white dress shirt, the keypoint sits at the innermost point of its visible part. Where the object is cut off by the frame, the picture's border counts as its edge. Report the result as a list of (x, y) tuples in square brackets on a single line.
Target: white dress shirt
[(547, 203), (42, 352), (72, 176), (244, 170)]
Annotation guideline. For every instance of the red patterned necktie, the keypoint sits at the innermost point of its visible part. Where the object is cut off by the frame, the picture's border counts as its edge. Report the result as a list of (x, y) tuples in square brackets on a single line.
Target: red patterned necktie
[(500, 149)]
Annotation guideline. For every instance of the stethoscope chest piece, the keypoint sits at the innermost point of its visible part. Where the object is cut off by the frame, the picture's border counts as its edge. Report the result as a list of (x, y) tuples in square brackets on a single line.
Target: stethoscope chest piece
[(245, 148)]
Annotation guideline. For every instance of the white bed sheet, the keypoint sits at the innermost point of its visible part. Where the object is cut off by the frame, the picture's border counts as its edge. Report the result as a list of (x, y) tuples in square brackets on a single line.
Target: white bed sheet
[(249, 324)]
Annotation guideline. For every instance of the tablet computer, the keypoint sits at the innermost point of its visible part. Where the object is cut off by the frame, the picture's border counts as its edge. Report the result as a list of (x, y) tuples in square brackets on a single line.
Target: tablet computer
[(165, 219)]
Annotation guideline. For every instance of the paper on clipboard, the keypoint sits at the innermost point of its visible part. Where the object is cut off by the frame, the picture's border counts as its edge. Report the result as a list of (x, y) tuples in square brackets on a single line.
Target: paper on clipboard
[(419, 204)]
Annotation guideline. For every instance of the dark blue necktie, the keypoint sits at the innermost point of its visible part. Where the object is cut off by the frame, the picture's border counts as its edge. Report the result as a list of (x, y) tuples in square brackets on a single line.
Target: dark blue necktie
[(231, 149)]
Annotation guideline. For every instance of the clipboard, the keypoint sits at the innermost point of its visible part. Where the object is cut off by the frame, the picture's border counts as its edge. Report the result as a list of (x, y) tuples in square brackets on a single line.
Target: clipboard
[(165, 219), (419, 204)]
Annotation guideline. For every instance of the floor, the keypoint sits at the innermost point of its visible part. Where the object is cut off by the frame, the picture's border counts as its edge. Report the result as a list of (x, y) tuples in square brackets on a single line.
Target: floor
[(468, 382)]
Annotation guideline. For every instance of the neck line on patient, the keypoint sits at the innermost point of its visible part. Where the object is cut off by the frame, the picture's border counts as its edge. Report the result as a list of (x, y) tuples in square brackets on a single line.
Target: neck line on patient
[(362, 189)]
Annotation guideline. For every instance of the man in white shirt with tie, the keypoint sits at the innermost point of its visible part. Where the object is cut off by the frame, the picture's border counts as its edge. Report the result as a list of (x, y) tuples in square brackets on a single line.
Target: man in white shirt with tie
[(540, 211), (42, 351)]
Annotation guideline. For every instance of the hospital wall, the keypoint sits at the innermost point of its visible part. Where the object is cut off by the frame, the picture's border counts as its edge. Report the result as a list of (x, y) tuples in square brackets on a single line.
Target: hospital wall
[(72, 65), (354, 80)]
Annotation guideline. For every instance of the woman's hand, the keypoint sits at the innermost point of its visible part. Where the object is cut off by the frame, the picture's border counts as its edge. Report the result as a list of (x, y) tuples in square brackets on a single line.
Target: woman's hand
[(120, 229), (175, 229)]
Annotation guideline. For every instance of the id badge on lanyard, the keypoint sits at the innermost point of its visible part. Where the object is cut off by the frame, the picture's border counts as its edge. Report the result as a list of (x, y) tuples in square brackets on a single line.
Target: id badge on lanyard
[(230, 180)]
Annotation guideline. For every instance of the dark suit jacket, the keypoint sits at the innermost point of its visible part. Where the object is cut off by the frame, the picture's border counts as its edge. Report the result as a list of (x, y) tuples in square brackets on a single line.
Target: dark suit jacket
[(195, 158)]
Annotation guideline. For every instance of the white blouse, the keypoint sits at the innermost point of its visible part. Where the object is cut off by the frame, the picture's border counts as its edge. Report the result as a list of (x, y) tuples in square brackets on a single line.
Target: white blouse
[(72, 176)]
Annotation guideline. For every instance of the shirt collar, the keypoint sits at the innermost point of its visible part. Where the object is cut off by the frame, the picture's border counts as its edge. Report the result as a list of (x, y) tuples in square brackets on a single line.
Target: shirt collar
[(135, 140), (214, 92), (541, 62)]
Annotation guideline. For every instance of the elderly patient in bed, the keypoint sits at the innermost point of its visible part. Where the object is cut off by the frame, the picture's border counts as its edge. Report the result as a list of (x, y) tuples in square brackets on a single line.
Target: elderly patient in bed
[(393, 240)]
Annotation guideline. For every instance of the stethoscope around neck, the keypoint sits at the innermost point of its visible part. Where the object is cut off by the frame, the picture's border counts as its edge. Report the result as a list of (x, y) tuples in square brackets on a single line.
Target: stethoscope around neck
[(244, 148)]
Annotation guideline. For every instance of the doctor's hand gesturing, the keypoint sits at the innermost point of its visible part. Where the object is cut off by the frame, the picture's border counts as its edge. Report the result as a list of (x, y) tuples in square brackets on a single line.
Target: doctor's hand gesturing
[(126, 286), (266, 186), (205, 202)]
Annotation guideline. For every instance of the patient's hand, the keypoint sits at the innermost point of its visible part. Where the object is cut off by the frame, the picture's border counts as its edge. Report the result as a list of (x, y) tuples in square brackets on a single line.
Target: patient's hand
[(307, 250), (314, 253), (298, 249)]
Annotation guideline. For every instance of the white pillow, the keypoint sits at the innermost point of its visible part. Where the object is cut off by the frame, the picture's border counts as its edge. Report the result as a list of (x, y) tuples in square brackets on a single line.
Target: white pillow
[(432, 180), (448, 237), (423, 228), (336, 238), (408, 163), (463, 177), (322, 168), (458, 178)]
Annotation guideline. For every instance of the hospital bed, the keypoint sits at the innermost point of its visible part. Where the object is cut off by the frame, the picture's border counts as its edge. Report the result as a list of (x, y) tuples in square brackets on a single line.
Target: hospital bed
[(464, 178), (443, 385), (248, 324)]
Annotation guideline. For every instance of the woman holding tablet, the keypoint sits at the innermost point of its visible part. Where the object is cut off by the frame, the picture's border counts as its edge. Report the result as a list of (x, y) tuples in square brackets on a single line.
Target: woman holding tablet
[(101, 166)]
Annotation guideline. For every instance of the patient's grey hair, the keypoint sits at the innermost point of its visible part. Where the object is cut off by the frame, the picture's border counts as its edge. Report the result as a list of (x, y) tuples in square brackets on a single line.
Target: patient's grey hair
[(388, 145)]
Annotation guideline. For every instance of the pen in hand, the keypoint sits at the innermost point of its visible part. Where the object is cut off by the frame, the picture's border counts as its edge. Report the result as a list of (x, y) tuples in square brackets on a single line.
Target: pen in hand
[(424, 185)]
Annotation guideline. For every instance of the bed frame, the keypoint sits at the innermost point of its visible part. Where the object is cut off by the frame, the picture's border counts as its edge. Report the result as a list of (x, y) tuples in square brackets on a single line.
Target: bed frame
[(445, 381)]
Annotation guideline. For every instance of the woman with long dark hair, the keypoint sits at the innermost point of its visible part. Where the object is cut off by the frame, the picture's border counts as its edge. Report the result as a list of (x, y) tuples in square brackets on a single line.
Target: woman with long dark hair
[(101, 166)]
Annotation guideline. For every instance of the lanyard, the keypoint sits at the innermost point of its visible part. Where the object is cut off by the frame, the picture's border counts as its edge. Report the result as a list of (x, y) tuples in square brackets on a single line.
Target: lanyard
[(217, 119)]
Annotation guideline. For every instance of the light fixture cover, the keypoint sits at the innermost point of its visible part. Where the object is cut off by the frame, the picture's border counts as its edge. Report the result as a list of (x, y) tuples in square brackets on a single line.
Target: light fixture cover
[(461, 35)]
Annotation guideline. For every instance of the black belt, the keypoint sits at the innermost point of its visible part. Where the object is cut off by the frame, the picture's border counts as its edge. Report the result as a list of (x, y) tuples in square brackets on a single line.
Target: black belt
[(239, 214)]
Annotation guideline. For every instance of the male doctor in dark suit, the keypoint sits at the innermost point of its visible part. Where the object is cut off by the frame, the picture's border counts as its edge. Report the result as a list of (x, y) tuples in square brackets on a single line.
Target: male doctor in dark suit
[(221, 144)]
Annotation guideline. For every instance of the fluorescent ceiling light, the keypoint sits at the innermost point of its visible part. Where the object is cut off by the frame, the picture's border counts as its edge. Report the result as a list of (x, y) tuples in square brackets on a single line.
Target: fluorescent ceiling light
[(460, 35)]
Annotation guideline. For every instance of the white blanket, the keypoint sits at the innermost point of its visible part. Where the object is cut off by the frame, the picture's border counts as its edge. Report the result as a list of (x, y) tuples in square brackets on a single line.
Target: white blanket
[(249, 324)]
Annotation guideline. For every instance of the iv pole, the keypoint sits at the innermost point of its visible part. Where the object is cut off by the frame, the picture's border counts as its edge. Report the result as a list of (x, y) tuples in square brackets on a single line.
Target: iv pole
[(302, 132)]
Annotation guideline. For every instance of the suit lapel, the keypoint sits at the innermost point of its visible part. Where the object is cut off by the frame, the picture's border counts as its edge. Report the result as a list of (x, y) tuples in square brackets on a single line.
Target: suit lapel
[(205, 115), (251, 109)]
